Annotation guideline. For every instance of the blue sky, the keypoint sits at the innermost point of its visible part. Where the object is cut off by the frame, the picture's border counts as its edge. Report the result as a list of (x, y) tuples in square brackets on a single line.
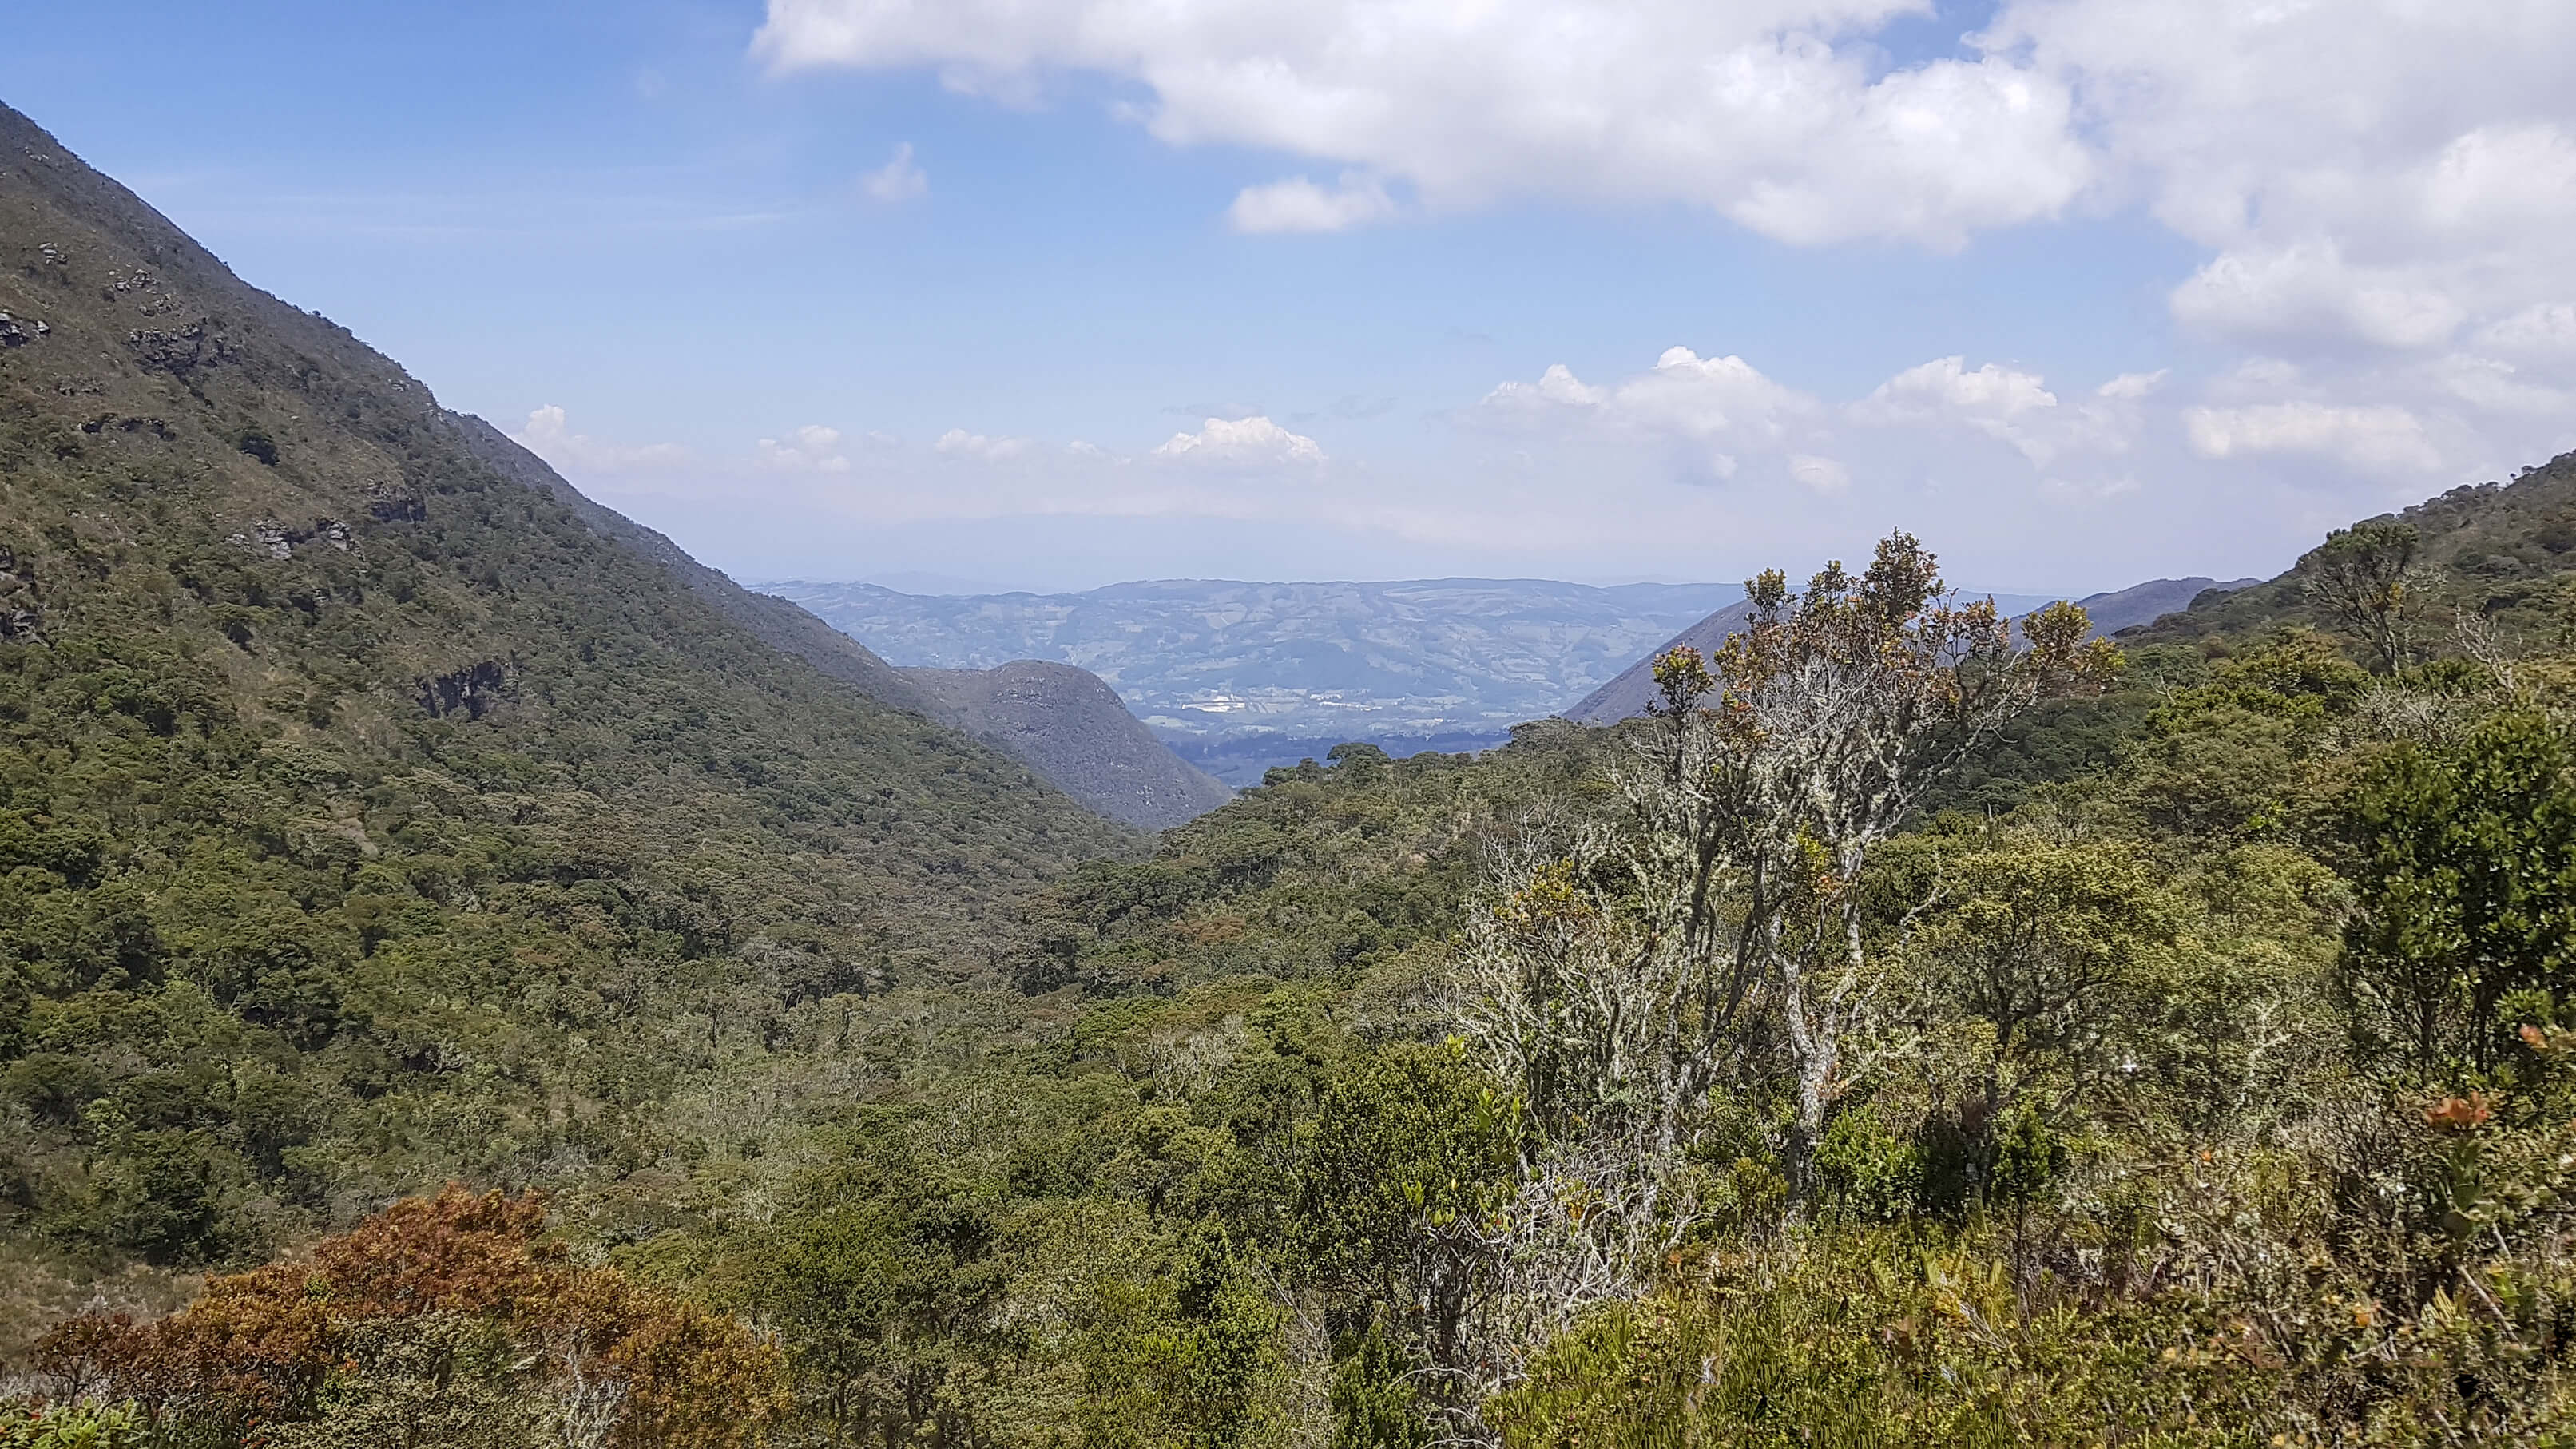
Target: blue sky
[(1065, 291)]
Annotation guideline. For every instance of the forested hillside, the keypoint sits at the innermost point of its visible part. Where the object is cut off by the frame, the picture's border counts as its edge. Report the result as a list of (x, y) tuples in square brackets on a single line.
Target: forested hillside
[(1923, 1027), (1075, 730), (2501, 551), (379, 814)]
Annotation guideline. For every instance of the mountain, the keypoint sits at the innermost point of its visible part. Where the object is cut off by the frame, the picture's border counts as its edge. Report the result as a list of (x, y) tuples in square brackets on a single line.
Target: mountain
[(2501, 550), (1073, 729), (1239, 677), (375, 809), (2145, 603)]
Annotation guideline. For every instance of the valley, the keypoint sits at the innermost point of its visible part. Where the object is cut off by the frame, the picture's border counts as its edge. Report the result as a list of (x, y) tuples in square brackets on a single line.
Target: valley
[(471, 974)]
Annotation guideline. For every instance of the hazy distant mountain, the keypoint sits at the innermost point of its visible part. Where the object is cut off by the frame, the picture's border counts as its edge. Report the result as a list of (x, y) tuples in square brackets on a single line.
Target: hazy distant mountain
[(2145, 603), (1071, 728), (1240, 676), (1626, 695)]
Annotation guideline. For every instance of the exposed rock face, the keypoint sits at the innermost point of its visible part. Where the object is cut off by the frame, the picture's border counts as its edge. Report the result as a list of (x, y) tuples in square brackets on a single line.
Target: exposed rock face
[(1072, 728)]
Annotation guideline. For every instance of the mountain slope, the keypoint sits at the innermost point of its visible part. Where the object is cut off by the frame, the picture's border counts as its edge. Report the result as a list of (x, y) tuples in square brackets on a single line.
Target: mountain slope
[(1074, 730), (2502, 550), (2145, 603), (376, 810)]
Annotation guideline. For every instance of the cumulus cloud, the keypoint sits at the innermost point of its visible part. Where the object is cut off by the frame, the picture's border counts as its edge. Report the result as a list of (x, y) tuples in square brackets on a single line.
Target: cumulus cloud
[(2546, 329), (2307, 290), (1715, 408), (2375, 174), (1722, 417), (1242, 442), (959, 443), (1298, 204), (1992, 398), (900, 180), (1819, 475), (548, 434), (2379, 438), (1778, 113), (2015, 408), (812, 448)]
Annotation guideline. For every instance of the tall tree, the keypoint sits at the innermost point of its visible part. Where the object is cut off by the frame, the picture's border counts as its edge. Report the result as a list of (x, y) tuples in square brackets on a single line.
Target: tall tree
[(1818, 732), (2365, 578), (1613, 985)]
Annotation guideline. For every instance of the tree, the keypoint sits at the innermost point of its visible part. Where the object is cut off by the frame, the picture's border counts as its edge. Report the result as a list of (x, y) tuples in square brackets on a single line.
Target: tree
[(2467, 883), (446, 1311), (881, 1282), (2364, 576), (1614, 978), (1776, 774), (2038, 942), (1407, 1159)]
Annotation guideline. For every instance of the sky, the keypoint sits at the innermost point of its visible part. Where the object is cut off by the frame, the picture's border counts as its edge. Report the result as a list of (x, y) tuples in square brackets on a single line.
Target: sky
[(1052, 293)]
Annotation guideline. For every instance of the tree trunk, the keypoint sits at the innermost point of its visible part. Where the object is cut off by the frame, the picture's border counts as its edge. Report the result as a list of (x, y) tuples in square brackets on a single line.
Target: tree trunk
[(1815, 1049)]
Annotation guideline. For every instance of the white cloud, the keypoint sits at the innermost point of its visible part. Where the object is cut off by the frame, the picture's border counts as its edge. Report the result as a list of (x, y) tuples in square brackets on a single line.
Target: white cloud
[(549, 435), (1776, 112), (2494, 386), (812, 448), (1722, 417), (1715, 409), (959, 443), (900, 180), (1819, 475), (2545, 328), (2307, 289), (2380, 438), (1944, 388), (1298, 204), (1244, 442), (2365, 174), (2012, 407), (2371, 174)]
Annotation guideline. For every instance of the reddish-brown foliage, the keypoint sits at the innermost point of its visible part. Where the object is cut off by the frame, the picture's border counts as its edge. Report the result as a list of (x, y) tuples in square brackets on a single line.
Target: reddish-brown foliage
[(260, 1347)]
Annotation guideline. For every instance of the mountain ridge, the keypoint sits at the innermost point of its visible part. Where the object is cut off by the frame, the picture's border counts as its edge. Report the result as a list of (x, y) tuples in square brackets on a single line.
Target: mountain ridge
[(376, 810), (1244, 675)]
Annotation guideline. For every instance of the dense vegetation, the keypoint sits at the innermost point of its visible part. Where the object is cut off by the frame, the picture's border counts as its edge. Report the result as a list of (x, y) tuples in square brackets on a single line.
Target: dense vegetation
[(1909, 1035), (372, 816)]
